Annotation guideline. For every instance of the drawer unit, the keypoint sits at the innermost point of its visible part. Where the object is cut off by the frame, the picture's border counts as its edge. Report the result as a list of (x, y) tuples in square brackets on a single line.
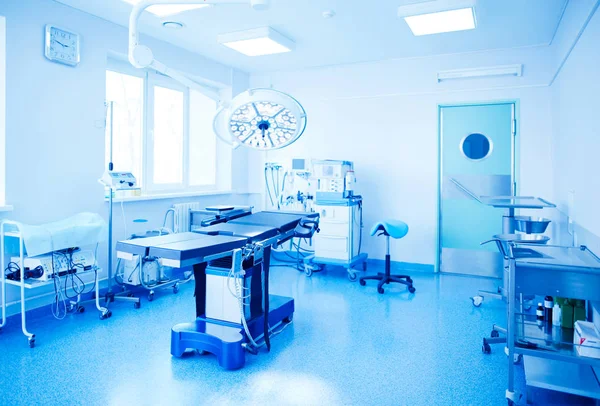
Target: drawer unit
[(339, 232), (331, 246), (334, 213), (333, 229)]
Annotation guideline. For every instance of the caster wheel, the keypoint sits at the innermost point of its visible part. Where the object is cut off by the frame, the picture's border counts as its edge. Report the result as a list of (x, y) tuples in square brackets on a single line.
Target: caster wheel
[(175, 289), (81, 309), (477, 300), (288, 319), (495, 334), (517, 358), (31, 343), (409, 280), (150, 296), (510, 402), (137, 305), (411, 289), (362, 282), (486, 349), (352, 276), (105, 315), (380, 290), (308, 271)]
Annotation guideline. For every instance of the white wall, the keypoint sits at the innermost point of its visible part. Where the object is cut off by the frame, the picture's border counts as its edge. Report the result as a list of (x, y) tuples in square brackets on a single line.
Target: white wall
[(383, 116), (576, 135), (2, 107), (55, 116)]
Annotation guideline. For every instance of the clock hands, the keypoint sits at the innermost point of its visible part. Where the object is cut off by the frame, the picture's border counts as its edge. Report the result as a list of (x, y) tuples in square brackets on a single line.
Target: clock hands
[(63, 45)]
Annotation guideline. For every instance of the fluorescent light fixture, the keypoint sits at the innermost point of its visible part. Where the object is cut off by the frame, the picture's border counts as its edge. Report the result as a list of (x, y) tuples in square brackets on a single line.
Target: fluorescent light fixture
[(504, 70), (164, 10), (439, 16), (258, 41)]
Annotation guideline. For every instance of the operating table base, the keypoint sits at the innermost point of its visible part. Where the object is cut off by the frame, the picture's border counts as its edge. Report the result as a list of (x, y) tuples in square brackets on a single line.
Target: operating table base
[(225, 339)]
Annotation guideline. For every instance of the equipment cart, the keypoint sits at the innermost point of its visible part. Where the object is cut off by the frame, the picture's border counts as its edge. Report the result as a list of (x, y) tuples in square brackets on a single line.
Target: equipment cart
[(551, 360)]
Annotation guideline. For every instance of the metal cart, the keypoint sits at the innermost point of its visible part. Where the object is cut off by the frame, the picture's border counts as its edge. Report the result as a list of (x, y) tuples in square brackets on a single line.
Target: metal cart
[(551, 360)]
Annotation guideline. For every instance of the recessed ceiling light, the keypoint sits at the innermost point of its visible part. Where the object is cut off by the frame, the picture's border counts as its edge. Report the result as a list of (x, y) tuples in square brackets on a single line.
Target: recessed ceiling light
[(439, 16), (164, 10), (258, 41), (173, 25)]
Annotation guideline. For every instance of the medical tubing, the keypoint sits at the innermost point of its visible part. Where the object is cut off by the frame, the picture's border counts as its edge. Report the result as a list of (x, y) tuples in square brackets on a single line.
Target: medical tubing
[(242, 313), (268, 188)]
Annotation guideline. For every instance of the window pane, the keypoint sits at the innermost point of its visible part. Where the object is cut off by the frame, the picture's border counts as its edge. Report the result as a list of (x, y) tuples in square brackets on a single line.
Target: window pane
[(168, 136), (127, 94), (203, 141)]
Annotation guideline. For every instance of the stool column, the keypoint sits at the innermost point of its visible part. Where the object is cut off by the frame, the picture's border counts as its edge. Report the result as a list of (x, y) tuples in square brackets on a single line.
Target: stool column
[(388, 262)]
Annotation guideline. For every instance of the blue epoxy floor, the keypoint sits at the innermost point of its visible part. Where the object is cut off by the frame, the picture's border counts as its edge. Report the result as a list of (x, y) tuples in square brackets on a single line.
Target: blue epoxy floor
[(348, 345)]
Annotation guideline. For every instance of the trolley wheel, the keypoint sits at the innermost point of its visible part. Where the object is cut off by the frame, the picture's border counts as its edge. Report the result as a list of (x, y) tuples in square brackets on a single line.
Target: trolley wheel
[(137, 305), (105, 315), (352, 276), (494, 334), (288, 319), (31, 342), (380, 290), (308, 270), (517, 358), (175, 289), (486, 349), (412, 289), (151, 296), (477, 300), (510, 402), (362, 282), (81, 309)]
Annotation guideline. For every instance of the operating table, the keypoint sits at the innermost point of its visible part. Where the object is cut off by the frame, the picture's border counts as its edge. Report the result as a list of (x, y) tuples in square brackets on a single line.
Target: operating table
[(231, 254)]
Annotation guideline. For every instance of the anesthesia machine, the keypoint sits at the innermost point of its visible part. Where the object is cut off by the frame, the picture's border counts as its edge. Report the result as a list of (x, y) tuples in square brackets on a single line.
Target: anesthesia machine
[(340, 238)]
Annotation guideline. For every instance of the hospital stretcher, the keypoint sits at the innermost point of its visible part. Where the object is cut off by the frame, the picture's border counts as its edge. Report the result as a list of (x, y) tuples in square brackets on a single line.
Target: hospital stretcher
[(237, 247)]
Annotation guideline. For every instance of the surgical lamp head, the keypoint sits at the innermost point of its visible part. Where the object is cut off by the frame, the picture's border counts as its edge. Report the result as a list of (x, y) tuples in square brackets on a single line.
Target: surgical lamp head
[(260, 5), (263, 119)]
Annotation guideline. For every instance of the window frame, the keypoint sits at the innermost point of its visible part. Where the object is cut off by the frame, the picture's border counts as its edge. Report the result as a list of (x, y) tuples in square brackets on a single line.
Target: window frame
[(151, 79)]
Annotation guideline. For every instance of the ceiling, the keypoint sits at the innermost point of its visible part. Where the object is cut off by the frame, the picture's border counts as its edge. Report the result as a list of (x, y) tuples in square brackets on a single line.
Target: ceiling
[(361, 31)]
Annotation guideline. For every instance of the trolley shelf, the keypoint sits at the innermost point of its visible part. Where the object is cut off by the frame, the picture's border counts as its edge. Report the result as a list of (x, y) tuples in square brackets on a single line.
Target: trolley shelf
[(35, 283), (567, 377)]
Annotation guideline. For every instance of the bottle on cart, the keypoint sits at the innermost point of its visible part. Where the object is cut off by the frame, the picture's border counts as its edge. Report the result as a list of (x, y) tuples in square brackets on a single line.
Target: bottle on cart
[(548, 305), (539, 313), (556, 315)]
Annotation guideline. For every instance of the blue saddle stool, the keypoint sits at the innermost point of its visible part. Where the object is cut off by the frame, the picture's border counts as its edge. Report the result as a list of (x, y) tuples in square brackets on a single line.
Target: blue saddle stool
[(396, 229)]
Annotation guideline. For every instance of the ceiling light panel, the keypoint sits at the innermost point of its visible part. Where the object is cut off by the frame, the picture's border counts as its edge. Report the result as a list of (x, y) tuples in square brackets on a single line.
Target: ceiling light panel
[(439, 16), (257, 42)]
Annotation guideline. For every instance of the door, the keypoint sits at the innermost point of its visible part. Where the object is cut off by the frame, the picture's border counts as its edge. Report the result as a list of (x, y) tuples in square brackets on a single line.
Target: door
[(477, 153)]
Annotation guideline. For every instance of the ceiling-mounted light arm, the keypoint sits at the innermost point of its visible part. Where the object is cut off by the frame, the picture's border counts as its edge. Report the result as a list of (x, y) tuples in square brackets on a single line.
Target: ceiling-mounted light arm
[(141, 56)]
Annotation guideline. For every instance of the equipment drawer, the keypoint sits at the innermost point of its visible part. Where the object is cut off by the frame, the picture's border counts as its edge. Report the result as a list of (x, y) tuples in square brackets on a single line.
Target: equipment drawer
[(336, 229), (334, 213)]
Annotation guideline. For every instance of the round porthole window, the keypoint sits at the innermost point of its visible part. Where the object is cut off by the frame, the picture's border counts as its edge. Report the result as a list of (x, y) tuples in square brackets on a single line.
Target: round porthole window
[(476, 146)]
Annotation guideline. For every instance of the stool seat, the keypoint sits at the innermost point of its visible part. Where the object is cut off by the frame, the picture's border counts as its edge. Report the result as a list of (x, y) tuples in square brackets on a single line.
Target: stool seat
[(393, 228)]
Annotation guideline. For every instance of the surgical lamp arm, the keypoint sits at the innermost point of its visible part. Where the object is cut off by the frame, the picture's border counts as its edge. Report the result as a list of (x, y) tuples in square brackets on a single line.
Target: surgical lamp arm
[(141, 56)]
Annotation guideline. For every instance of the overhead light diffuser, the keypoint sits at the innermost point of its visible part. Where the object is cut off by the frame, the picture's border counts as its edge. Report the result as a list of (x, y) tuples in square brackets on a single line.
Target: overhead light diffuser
[(490, 71), (164, 10), (439, 16), (258, 41)]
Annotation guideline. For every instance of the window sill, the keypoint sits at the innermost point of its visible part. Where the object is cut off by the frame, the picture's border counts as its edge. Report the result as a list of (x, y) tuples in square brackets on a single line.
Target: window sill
[(6, 208), (170, 196)]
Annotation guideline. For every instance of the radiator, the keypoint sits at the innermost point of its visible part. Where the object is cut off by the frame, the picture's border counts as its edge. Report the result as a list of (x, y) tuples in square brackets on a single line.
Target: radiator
[(181, 216)]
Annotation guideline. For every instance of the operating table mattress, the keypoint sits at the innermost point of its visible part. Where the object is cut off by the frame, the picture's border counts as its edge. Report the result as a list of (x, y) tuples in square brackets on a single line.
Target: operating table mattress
[(182, 246), (254, 233), (283, 222)]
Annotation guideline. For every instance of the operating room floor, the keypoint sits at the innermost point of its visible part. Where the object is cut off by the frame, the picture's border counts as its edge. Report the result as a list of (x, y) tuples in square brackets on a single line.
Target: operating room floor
[(347, 345)]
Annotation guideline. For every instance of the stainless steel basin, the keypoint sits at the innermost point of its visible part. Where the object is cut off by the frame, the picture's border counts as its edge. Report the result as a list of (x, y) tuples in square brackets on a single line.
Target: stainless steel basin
[(531, 225), (523, 238)]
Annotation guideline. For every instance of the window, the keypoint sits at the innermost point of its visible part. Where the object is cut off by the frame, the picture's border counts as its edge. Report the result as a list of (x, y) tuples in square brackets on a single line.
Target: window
[(162, 132)]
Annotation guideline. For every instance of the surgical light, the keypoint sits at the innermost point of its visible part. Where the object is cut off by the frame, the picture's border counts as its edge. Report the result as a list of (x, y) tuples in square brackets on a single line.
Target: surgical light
[(261, 119), (164, 10), (439, 16), (257, 42)]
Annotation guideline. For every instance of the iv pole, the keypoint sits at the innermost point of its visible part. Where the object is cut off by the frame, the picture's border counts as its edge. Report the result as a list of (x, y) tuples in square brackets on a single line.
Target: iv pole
[(110, 296)]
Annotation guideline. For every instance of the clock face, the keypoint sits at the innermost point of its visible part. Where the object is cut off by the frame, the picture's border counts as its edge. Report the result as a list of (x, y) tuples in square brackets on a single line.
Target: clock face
[(62, 46)]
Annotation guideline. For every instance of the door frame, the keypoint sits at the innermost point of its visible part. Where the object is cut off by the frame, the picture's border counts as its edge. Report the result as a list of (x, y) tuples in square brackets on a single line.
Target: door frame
[(515, 150)]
